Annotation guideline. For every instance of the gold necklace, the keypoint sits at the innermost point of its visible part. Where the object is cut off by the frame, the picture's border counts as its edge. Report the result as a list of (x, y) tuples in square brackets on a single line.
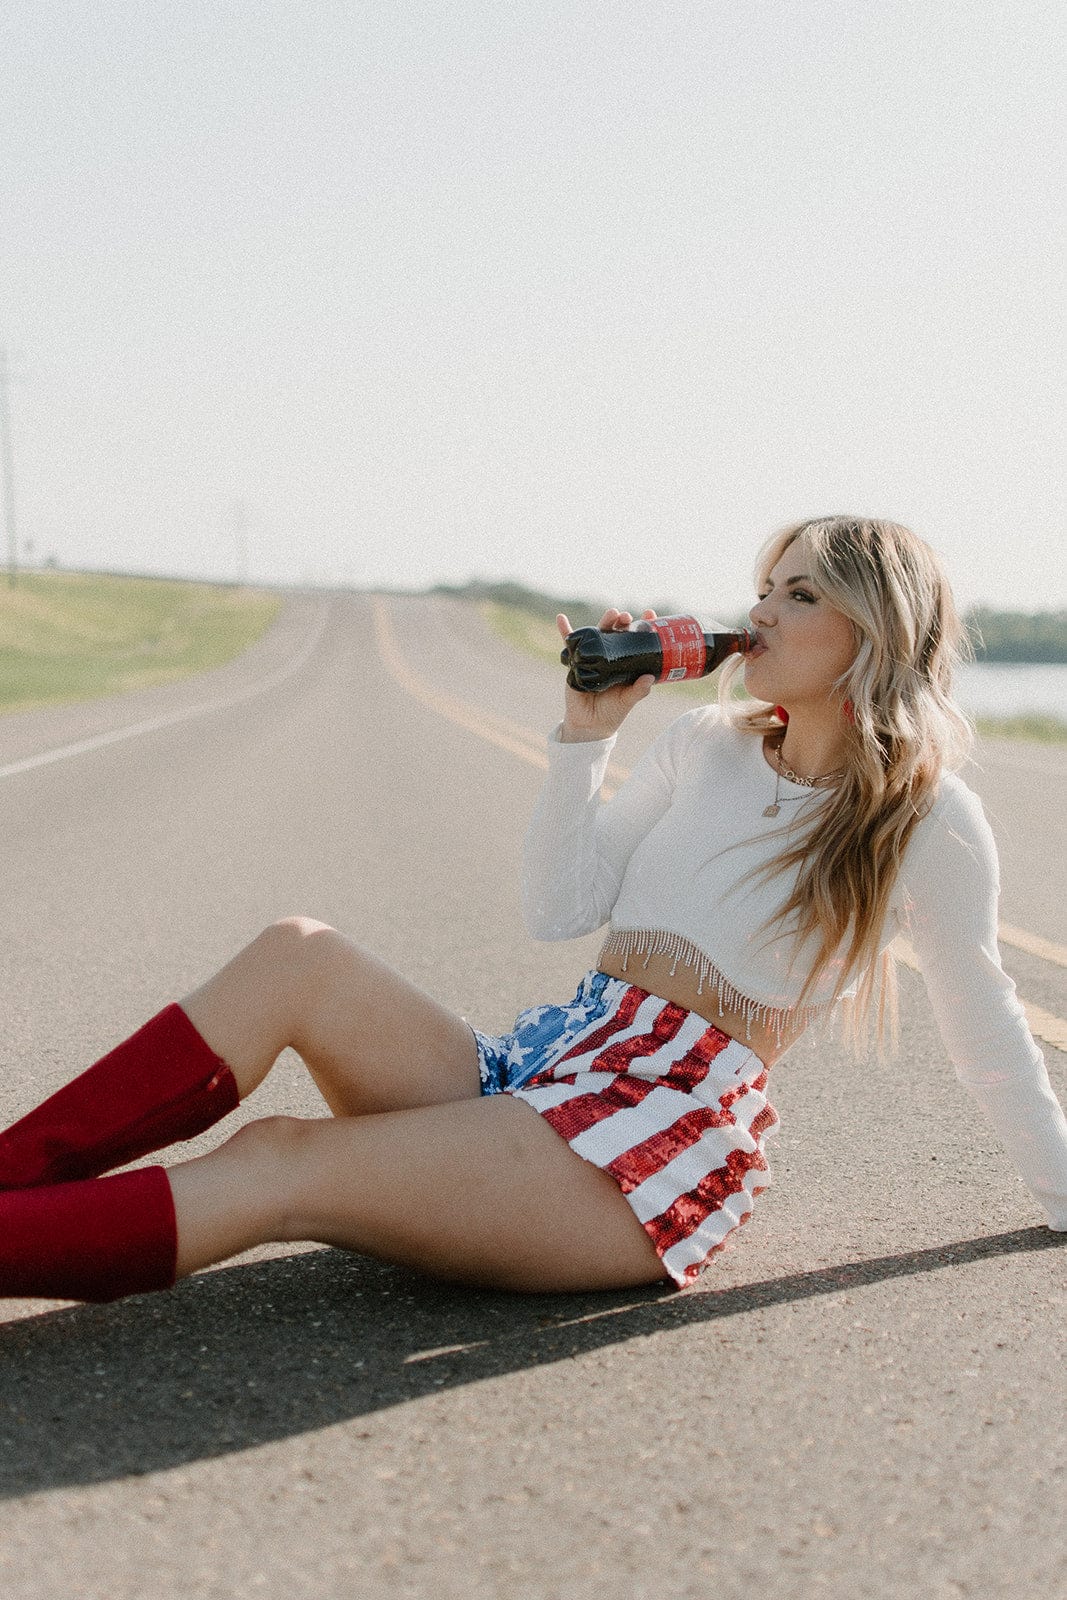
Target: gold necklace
[(782, 771)]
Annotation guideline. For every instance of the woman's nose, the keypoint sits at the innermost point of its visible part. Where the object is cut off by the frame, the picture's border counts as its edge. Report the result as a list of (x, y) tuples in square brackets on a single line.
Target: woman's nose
[(758, 617)]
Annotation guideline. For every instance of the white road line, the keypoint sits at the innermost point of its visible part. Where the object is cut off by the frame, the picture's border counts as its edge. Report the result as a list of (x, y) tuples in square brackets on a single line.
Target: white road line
[(152, 725)]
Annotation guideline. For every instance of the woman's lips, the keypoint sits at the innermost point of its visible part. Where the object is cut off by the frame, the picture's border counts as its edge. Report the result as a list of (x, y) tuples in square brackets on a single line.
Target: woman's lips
[(757, 648)]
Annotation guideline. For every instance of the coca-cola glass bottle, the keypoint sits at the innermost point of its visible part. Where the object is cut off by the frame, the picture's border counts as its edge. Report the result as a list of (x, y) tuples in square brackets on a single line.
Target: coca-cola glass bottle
[(670, 648)]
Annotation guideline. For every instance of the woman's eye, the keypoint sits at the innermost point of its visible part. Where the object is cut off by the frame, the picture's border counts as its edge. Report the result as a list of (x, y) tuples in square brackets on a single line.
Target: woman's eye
[(802, 594)]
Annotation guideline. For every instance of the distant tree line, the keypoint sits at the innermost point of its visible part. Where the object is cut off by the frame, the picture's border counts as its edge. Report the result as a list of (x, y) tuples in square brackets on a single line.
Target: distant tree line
[(1039, 636), (582, 612)]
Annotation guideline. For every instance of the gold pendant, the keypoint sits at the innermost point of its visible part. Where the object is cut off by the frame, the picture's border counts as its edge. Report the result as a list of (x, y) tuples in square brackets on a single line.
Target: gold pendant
[(771, 811)]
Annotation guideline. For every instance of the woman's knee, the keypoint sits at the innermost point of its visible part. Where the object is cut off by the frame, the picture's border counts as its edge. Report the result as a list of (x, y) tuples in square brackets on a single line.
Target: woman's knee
[(269, 1140), (299, 955), (292, 938), (311, 947), (272, 1154)]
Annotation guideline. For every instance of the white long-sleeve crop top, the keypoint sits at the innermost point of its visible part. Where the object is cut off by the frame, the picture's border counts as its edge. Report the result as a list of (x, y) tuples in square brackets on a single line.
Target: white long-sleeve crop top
[(670, 861)]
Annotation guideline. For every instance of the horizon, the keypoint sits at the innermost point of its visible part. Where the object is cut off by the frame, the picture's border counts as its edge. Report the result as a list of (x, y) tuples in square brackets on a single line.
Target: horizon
[(446, 585)]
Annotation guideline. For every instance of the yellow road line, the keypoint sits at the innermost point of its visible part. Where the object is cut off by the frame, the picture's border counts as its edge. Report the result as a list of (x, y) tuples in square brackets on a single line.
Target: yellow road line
[(521, 741), (1033, 944), (529, 746), (518, 741), (1042, 1024)]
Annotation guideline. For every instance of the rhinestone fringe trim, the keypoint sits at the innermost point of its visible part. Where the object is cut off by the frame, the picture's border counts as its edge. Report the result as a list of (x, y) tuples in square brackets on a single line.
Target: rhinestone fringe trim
[(649, 942)]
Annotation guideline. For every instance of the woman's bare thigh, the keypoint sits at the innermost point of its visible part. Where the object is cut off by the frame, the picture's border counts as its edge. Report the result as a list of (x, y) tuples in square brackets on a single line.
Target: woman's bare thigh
[(371, 1040), (374, 1042), (477, 1191), (484, 1192)]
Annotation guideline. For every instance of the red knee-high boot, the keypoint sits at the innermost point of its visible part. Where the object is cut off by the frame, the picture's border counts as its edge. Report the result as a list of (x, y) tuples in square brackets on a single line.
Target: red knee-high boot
[(162, 1084), (95, 1240)]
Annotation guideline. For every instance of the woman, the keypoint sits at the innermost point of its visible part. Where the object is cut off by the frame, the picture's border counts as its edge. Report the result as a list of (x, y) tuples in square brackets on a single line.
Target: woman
[(754, 869)]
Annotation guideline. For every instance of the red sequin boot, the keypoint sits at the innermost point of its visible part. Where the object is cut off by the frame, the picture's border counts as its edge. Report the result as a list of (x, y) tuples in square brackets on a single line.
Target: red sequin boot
[(162, 1084), (95, 1240)]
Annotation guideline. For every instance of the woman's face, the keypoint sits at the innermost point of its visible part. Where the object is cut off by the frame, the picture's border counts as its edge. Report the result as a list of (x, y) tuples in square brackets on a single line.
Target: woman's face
[(804, 645)]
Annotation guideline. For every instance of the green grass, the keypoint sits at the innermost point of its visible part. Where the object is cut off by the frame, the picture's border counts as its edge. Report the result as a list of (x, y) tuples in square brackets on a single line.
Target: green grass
[(540, 638), (68, 636), (1039, 728), (524, 630)]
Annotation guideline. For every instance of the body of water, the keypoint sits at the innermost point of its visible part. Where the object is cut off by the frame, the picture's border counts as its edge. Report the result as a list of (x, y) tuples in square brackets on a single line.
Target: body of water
[(1006, 689)]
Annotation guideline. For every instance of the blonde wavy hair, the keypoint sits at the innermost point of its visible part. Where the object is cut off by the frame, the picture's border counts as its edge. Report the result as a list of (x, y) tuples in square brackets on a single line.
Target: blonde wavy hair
[(903, 729)]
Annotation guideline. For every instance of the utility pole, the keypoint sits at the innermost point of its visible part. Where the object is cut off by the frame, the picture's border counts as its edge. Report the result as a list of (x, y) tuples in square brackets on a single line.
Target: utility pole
[(7, 470)]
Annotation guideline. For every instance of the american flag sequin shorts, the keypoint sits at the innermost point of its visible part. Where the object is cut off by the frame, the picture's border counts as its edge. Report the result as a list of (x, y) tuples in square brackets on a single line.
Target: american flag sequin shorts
[(673, 1108)]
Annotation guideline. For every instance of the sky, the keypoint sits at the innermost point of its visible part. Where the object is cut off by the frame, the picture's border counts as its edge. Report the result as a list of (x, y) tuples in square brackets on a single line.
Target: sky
[(590, 295)]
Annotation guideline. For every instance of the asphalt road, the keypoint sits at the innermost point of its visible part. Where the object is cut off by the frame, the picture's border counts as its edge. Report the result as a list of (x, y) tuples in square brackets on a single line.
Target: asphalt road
[(864, 1397)]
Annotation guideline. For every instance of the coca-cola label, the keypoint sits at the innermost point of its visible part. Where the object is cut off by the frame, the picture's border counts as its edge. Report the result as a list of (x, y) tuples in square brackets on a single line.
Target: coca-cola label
[(684, 652)]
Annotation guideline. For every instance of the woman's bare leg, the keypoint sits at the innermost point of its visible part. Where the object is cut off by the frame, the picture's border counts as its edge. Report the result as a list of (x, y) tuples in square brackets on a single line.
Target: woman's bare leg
[(417, 1167), (371, 1040), (477, 1191)]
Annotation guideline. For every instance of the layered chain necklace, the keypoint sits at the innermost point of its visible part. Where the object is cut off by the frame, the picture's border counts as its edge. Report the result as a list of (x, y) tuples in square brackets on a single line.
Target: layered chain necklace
[(782, 771)]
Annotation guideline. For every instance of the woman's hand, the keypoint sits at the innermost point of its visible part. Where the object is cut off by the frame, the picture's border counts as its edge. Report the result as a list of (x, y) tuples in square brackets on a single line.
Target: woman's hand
[(598, 716)]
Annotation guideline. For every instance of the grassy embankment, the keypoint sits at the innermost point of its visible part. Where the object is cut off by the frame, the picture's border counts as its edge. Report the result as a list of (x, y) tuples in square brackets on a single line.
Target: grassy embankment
[(72, 636), (538, 636)]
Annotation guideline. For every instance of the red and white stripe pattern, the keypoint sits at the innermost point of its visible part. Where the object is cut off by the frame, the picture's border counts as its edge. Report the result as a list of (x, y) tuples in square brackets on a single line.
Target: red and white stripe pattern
[(675, 1110)]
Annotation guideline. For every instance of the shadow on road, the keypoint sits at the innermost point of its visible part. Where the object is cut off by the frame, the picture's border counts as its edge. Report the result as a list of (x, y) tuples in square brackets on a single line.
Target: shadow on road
[(248, 1354)]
